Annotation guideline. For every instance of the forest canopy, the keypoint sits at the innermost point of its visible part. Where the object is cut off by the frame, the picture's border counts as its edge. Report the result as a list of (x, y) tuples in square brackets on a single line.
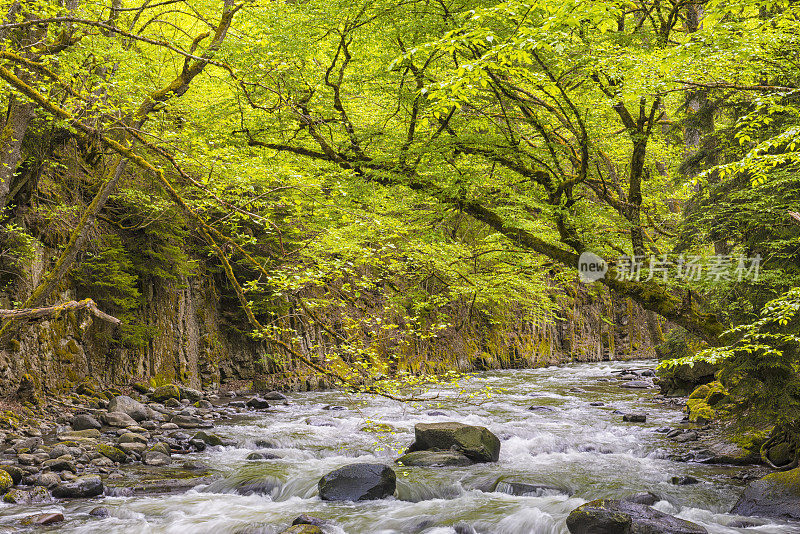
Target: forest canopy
[(425, 156)]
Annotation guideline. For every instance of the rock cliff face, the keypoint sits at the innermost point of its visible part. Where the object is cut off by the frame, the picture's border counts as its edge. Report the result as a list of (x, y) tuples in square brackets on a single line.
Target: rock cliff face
[(197, 342)]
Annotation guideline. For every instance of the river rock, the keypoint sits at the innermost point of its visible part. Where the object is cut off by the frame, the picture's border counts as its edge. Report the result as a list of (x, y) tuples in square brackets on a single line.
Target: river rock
[(434, 459), (48, 480), (305, 519), (99, 511), (15, 473), (527, 489), (684, 480), (776, 495), (636, 384), (303, 529), (81, 487), (63, 463), (163, 393), (319, 421), (208, 439), (262, 455), (161, 447), (634, 418), (475, 442), (131, 437), (720, 450), (127, 405), (187, 421), (155, 458), (44, 519), (644, 497), (684, 437), (118, 419), (112, 453), (609, 516), (275, 396), (358, 482), (192, 395), (6, 481), (257, 403), (536, 408), (84, 421)]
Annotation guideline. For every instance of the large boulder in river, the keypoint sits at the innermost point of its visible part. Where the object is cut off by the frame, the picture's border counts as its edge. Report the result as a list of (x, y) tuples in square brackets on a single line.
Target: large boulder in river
[(358, 482), (776, 495), (609, 516), (81, 487), (129, 406), (475, 442)]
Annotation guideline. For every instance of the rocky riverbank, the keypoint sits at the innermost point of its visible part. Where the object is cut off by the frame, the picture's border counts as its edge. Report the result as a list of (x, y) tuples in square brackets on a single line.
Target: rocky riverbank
[(82, 446)]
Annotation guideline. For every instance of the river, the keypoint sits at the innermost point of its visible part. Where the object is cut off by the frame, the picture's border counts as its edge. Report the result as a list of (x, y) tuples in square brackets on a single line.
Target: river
[(586, 450)]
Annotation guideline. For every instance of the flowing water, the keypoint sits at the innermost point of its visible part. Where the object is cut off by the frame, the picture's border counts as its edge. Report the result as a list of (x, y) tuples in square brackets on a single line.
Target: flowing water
[(585, 450)]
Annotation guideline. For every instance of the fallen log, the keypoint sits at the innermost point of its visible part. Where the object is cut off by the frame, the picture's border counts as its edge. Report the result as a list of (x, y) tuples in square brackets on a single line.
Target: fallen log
[(47, 311)]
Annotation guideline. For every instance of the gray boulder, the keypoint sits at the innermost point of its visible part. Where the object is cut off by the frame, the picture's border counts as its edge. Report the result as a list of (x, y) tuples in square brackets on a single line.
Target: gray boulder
[(118, 419), (84, 421), (776, 495), (127, 405), (475, 442), (358, 482), (155, 458), (81, 487), (610, 516)]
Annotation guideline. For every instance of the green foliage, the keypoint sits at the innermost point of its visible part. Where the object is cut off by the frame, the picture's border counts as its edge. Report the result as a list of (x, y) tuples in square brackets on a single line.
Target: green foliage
[(761, 368), (107, 275), (18, 251)]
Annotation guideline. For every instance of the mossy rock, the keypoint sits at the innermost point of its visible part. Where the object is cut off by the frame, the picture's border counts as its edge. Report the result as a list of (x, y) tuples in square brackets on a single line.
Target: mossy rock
[(701, 392), (88, 387), (776, 495), (161, 447), (781, 454), (141, 387), (14, 472), (5, 481), (9, 420), (699, 411), (112, 453), (16, 496), (164, 393), (208, 439)]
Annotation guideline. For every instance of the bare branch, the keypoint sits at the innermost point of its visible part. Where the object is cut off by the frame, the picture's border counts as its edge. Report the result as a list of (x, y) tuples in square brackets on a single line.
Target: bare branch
[(48, 311)]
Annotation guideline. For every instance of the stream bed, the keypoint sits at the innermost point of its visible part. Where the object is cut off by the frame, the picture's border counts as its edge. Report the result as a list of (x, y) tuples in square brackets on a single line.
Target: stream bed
[(586, 451)]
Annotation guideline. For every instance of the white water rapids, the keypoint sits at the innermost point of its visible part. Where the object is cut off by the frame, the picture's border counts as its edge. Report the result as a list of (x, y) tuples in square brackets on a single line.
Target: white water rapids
[(587, 450)]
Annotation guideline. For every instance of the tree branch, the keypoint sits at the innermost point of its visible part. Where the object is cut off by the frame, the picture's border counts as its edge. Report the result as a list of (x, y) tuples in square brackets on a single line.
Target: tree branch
[(39, 313)]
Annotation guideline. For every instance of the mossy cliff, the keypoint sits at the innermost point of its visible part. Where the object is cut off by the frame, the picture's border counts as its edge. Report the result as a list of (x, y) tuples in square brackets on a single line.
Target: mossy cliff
[(185, 329)]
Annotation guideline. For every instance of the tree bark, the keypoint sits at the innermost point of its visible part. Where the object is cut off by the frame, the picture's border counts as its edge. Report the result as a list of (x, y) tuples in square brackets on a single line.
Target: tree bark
[(18, 117)]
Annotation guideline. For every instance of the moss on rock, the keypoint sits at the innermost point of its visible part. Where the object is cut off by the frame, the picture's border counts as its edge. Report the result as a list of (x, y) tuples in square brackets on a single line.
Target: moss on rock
[(112, 453)]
